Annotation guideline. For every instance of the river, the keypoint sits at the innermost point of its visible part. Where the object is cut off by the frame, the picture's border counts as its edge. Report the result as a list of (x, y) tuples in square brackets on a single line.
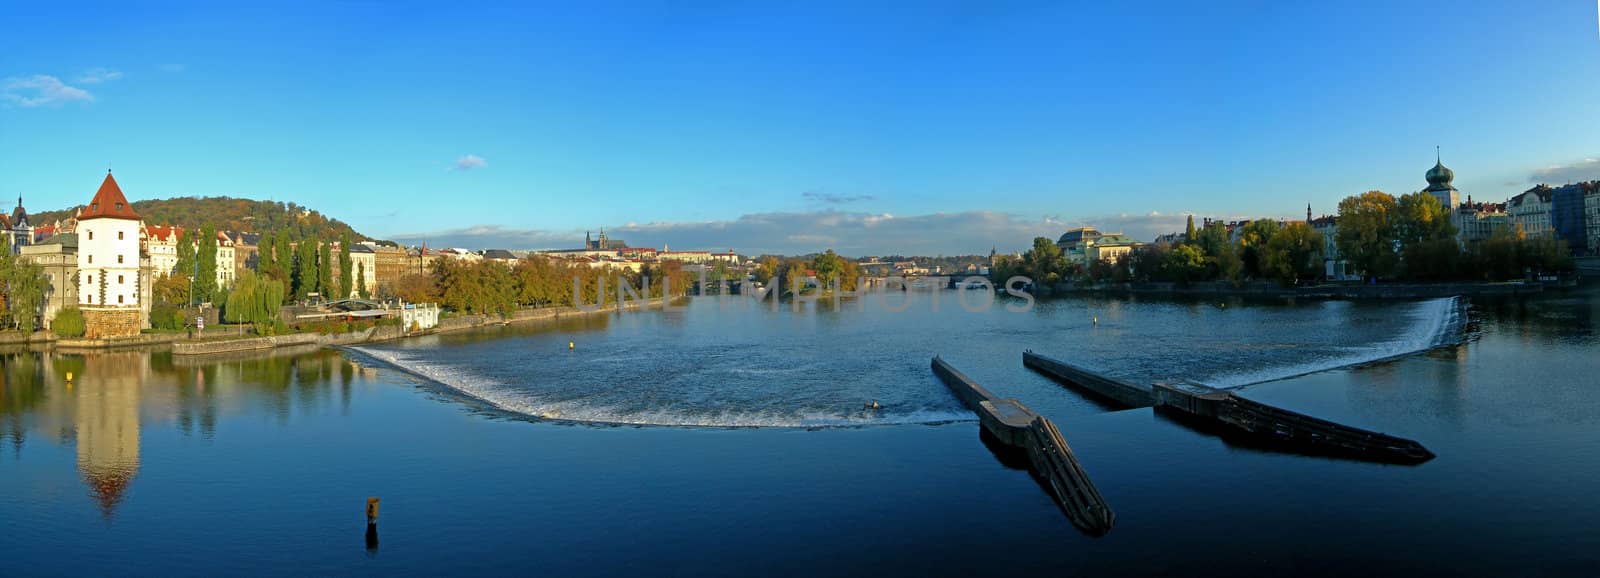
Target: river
[(731, 438)]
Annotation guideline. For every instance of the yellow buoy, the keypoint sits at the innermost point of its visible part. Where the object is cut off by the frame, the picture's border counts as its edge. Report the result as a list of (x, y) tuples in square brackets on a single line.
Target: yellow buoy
[(69, 377), (571, 346)]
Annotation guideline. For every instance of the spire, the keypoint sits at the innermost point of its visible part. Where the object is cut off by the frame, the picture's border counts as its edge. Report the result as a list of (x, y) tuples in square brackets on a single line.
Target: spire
[(1308, 213), (1438, 159)]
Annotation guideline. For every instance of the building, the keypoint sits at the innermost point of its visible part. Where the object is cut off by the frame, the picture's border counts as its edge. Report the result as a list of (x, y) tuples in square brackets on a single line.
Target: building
[(1567, 216), (363, 269), (389, 264), (1530, 212), (18, 232), (1439, 185), (602, 244), (685, 256), (226, 261), (58, 256), (246, 251), (1334, 268), (1476, 222), (112, 287), (500, 256), (1110, 247), (161, 244), (1591, 212)]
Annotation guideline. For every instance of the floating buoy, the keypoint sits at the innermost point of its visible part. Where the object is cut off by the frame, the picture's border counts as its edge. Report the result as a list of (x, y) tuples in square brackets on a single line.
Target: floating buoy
[(69, 377), (571, 346), (1096, 321), (874, 405), (372, 510)]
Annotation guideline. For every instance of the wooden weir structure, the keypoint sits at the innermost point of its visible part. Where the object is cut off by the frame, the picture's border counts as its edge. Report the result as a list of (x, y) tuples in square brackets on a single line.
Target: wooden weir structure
[(1048, 453), (1279, 425)]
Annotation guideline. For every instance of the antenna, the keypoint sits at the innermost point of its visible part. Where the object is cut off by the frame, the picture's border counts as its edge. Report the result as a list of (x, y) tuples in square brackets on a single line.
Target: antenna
[(1437, 159)]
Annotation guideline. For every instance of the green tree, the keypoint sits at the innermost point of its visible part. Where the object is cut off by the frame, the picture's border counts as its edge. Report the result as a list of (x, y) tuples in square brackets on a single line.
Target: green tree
[(1185, 263), (68, 323), (266, 258), (1366, 234), (305, 269), (205, 282), (345, 286), (1188, 230), (24, 285), (325, 272), (254, 299), (361, 287), (1294, 254), (827, 267), (186, 257), (1253, 240), (283, 258), (767, 269), (1043, 262)]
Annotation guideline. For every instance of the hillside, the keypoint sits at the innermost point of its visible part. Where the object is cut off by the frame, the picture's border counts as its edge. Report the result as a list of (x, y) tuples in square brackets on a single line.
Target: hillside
[(230, 214)]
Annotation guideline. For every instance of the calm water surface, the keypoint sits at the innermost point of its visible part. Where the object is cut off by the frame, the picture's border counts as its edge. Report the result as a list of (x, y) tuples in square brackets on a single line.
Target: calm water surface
[(501, 450)]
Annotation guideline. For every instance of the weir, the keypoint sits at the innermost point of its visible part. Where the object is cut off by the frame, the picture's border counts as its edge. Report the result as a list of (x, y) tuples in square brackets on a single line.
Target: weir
[(1280, 426), (1051, 458), (1106, 388)]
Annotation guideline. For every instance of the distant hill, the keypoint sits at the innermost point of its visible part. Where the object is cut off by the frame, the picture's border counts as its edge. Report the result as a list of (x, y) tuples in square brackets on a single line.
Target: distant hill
[(228, 214)]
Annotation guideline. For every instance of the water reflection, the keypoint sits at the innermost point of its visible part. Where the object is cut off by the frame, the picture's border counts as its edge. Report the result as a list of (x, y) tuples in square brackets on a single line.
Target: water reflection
[(112, 399)]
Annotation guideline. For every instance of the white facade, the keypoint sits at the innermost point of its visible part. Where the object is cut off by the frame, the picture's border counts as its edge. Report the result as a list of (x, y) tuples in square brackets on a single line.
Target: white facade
[(225, 261), (161, 244), (108, 262), (363, 270), (1531, 211)]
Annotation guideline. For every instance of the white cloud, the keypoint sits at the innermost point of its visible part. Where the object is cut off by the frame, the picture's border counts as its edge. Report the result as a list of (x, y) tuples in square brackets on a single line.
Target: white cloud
[(469, 162), (98, 75), (794, 233), (1574, 172), (41, 90)]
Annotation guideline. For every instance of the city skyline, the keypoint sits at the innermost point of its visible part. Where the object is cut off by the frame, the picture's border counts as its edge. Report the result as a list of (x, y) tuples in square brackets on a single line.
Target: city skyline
[(792, 130)]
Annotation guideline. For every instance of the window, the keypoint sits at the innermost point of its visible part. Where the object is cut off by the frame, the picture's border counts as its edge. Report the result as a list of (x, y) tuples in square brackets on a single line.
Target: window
[(119, 279), (119, 233), (119, 259), (91, 235), (91, 261), (91, 278), (119, 206), (91, 299), (119, 299)]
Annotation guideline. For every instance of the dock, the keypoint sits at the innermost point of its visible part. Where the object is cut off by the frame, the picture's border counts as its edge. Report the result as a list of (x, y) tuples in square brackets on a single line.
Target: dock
[(1284, 427), (1051, 458), (1115, 391)]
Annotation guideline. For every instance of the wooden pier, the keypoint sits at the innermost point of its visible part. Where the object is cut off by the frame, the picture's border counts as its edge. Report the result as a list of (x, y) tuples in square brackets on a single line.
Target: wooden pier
[(1103, 388), (1051, 458), (1281, 426)]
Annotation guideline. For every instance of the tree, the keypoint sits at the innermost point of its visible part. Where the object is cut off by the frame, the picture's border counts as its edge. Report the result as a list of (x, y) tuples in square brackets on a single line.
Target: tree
[(416, 288), (1222, 260), (1184, 263), (345, 287), (361, 276), (266, 259), (68, 323), (827, 267), (283, 258), (1188, 230), (186, 257), (1253, 240), (305, 270), (1293, 253), (767, 269), (254, 299), (1044, 262), (205, 282), (325, 272), (1366, 234), (24, 285)]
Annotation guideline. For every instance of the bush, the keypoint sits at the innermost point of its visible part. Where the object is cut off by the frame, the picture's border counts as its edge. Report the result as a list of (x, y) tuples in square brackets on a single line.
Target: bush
[(166, 316), (68, 323)]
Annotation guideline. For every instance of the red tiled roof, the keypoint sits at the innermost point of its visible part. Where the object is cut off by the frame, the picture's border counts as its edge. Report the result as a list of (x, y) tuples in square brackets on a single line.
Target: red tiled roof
[(109, 202), (163, 233)]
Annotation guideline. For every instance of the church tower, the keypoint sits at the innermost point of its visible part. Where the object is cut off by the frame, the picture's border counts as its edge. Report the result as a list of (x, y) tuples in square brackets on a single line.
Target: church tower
[(109, 280)]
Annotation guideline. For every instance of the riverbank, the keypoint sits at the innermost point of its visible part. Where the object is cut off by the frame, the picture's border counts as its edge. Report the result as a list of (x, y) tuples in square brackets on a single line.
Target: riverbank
[(393, 332)]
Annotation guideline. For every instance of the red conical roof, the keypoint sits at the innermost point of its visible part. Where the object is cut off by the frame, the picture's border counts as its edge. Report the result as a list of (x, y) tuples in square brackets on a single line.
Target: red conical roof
[(109, 202)]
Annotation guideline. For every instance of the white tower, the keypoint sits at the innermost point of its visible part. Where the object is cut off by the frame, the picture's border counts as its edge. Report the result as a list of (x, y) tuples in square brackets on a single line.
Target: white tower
[(109, 281)]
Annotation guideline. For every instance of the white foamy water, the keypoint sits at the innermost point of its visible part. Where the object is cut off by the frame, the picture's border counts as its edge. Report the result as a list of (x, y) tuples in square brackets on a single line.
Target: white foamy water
[(1434, 323), (514, 398)]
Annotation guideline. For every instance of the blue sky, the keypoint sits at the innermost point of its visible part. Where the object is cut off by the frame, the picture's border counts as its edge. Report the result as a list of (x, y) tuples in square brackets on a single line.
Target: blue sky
[(909, 127)]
